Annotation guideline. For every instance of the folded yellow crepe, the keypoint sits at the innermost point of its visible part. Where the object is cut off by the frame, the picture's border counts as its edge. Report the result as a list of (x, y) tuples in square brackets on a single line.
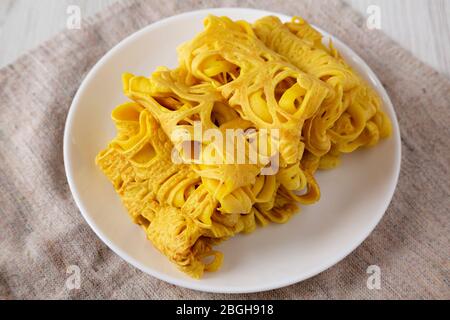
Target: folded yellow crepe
[(267, 78)]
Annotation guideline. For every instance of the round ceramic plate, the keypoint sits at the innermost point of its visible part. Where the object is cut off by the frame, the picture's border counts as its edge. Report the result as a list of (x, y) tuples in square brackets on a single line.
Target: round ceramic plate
[(354, 196)]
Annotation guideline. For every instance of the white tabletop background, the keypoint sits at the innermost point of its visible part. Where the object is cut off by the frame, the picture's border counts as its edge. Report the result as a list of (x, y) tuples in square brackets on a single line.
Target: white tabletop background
[(420, 26)]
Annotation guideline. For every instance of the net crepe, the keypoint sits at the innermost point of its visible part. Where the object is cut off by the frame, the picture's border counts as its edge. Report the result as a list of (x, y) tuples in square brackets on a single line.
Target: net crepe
[(351, 115), (234, 75)]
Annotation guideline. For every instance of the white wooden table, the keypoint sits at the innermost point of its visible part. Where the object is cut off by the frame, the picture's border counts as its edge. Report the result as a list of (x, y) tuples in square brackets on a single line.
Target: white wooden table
[(421, 26)]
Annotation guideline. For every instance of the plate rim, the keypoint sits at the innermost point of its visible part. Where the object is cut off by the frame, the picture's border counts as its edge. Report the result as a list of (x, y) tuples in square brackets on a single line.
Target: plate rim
[(198, 285)]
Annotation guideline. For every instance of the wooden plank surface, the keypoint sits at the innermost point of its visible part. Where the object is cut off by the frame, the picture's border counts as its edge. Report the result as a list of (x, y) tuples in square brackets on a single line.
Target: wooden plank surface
[(420, 26)]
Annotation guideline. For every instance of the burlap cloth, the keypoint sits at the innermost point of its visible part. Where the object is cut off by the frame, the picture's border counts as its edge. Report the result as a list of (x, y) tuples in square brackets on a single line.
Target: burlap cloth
[(42, 232)]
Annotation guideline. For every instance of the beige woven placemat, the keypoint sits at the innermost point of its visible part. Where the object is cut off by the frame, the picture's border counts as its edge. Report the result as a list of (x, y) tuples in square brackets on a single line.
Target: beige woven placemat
[(42, 232)]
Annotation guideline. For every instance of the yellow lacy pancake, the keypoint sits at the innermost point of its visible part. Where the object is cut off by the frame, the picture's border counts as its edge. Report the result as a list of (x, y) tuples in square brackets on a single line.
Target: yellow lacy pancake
[(177, 106), (349, 118), (180, 216), (189, 192), (257, 82)]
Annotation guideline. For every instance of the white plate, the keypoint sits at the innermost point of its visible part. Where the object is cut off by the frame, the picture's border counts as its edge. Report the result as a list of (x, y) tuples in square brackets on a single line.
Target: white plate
[(354, 196)]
